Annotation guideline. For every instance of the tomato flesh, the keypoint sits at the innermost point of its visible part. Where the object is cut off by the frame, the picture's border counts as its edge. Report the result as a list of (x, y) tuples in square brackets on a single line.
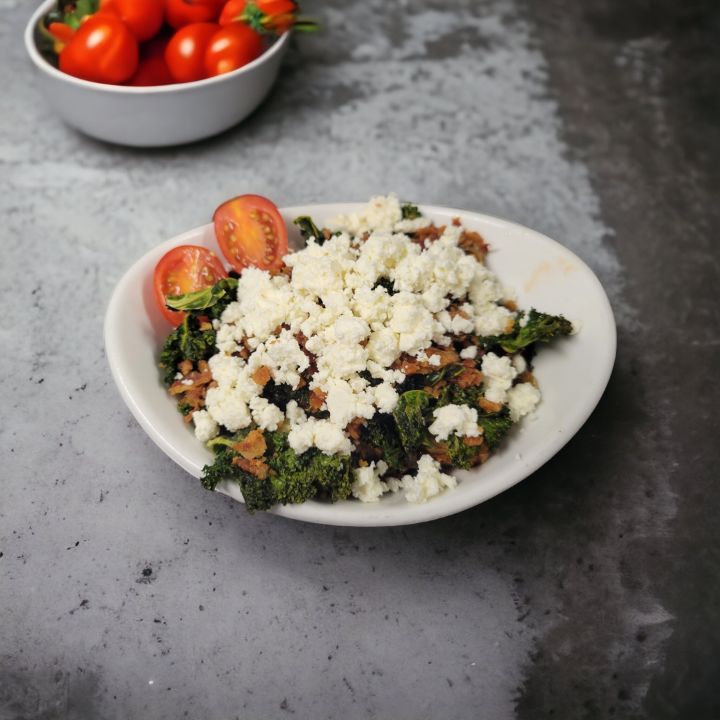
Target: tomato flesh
[(185, 269), (251, 231)]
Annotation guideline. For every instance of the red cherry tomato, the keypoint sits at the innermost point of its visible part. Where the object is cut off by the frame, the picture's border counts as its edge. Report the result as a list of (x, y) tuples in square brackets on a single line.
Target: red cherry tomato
[(143, 18), (153, 69), (102, 50), (232, 47), (180, 13), (231, 11), (185, 269), (185, 53), (250, 231)]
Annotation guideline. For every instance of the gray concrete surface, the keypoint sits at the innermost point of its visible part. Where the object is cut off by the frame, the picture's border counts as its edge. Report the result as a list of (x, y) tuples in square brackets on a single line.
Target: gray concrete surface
[(591, 590)]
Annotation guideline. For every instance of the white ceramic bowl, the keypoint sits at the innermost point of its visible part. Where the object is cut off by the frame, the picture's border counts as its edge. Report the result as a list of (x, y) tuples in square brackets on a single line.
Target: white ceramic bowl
[(572, 372), (155, 116)]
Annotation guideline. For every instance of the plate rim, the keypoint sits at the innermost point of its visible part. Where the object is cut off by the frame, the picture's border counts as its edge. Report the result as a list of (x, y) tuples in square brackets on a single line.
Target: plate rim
[(321, 513)]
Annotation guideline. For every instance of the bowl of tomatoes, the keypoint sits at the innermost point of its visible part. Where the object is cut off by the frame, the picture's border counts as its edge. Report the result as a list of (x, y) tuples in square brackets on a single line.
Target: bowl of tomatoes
[(153, 73)]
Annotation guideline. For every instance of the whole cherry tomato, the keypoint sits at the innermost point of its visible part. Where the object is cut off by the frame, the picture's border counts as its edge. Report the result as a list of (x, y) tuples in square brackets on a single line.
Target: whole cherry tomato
[(251, 231), (232, 47), (231, 11), (102, 50), (180, 13), (185, 269), (185, 53), (277, 15), (144, 18), (153, 69)]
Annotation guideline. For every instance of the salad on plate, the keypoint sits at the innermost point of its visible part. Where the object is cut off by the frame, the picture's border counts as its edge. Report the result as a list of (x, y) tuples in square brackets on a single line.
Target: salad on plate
[(374, 360)]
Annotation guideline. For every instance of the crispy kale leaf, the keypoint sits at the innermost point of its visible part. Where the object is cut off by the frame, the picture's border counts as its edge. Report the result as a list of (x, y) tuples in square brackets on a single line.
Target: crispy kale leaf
[(292, 478), (412, 414), (212, 300), (186, 342), (410, 212), (308, 229), (381, 431), (540, 327), (459, 453), (222, 468), (495, 427)]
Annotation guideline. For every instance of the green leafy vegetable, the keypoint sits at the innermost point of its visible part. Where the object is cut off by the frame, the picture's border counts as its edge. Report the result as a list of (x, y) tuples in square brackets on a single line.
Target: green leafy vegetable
[(459, 453), (215, 298), (495, 427), (185, 408), (540, 327), (292, 478), (381, 431), (410, 212), (186, 342), (308, 229), (412, 414)]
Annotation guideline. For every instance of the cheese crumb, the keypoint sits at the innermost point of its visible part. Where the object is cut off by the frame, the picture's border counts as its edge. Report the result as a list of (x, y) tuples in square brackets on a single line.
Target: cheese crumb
[(368, 487), (428, 481), (498, 374), (205, 427), (522, 400), (458, 419)]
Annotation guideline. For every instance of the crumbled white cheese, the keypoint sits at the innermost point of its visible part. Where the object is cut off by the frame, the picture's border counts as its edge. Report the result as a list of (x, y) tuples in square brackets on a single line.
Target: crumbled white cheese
[(522, 400), (386, 397), (356, 330), (429, 481), (458, 419), (498, 374), (205, 427), (411, 226), (519, 364), (381, 213), (266, 415), (368, 487), (294, 414), (321, 434)]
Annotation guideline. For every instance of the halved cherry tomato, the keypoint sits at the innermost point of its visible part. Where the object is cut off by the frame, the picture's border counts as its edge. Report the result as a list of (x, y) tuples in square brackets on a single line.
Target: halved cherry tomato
[(143, 18), (185, 53), (102, 50), (232, 47), (185, 269), (250, 231), (180, 13)]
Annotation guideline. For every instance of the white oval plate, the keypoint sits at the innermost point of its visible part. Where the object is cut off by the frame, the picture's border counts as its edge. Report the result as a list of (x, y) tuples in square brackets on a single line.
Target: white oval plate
[(572, 372)]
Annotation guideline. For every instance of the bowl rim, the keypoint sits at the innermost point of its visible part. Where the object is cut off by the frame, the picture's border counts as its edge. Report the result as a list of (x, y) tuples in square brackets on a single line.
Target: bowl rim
[(41, 63), (372, 515)]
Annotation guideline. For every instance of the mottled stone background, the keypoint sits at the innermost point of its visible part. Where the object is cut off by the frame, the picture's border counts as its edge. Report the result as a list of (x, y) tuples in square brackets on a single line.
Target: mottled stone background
[(591, 590)]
